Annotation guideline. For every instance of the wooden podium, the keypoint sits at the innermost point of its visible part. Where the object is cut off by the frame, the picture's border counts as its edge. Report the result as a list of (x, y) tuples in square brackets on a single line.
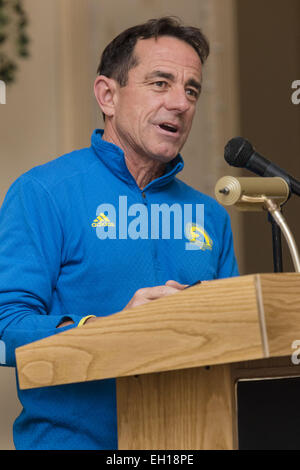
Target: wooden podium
[(178, 359)]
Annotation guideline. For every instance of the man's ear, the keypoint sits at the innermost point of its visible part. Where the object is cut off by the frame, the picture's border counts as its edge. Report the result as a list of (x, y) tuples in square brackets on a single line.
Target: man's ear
[(105, 93)]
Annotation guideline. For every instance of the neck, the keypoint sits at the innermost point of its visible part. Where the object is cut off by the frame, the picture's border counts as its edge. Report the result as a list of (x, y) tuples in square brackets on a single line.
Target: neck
[(142, 168)]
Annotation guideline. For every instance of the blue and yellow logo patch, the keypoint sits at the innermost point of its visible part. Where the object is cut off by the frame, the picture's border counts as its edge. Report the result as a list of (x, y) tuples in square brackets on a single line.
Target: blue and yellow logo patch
[(198, 236)]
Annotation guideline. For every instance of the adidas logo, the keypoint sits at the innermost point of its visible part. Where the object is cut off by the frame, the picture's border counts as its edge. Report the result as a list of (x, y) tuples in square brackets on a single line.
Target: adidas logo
[(102, 221)]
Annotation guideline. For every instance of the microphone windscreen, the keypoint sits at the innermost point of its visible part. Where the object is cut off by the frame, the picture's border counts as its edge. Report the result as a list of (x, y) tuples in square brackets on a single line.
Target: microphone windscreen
[(238, 151)]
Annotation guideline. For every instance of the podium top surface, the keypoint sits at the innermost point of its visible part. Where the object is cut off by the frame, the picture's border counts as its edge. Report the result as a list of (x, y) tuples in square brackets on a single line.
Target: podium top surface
[(217, 322)]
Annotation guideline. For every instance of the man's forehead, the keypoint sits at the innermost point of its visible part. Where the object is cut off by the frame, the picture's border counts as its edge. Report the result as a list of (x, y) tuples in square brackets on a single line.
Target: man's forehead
[(167, 50)]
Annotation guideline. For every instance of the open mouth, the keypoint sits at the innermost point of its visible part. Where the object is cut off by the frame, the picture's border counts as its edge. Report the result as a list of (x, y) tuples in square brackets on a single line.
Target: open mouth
[(168, 127)]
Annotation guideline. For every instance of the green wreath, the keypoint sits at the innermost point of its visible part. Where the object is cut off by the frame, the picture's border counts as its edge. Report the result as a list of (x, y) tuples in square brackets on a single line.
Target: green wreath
[(13, 23)]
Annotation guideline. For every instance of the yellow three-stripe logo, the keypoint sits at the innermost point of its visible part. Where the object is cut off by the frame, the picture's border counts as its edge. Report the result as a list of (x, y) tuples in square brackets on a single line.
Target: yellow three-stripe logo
[(102, 221)]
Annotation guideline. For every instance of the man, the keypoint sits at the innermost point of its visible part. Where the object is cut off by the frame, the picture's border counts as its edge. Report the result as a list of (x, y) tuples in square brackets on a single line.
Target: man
[(65, 256)]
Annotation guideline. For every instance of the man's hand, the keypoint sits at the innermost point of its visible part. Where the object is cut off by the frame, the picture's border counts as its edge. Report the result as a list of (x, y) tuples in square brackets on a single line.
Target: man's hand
[(145, 295)]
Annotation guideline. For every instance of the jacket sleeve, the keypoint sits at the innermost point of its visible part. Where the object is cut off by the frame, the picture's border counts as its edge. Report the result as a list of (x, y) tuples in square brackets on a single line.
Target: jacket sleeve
[(228, 266), (31, 250)]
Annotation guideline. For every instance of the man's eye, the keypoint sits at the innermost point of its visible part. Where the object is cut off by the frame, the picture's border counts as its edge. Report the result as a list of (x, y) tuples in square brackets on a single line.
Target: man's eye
[(192, 93), (160, 84)]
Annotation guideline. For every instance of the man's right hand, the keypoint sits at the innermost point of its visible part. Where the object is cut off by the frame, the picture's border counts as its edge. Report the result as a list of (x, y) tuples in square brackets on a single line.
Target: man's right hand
[(146, 294)]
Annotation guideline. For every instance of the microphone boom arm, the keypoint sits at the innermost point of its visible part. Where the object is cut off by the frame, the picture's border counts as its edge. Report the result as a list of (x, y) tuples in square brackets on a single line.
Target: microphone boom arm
[(275, 212)]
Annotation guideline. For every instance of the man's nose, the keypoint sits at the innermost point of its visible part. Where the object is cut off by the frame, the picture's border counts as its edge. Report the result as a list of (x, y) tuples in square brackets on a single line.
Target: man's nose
[(176, 99)]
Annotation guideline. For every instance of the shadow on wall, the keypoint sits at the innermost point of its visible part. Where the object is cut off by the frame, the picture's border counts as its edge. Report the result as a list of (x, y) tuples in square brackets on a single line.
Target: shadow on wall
[(270, 111)]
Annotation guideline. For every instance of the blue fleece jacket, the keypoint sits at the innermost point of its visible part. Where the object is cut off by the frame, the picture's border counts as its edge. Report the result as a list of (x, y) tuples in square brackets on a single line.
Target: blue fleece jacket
[(65, 254)]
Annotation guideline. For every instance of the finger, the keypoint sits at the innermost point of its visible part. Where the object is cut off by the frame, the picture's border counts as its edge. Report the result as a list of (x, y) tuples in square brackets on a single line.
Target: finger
[(159, 291), (175, 284)]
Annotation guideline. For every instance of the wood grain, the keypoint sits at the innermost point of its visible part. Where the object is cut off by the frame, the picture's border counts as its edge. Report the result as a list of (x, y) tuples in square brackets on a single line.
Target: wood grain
[(281, 298), (181, 410), (213, 323)]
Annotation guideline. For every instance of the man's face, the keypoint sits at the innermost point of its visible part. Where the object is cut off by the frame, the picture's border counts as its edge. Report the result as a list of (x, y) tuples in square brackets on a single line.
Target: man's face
[(154, 111)]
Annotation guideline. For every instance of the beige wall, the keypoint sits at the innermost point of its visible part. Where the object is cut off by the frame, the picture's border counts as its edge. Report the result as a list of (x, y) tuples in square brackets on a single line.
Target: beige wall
[(51, 108), (28, 136)]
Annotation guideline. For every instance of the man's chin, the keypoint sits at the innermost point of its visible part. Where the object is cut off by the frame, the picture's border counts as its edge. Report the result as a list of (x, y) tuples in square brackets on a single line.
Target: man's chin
[(165, 155)]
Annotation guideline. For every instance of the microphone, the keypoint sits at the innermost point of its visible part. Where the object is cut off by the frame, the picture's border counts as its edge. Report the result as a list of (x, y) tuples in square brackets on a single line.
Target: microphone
[(240, 153)]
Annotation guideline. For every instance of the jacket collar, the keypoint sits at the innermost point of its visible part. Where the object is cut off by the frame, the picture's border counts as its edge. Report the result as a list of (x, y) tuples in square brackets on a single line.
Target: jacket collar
[(112, 157)]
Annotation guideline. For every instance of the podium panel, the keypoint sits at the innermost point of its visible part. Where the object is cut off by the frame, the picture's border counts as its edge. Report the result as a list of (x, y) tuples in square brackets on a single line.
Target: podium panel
[(178, 410), (267, 403), (268, 414)]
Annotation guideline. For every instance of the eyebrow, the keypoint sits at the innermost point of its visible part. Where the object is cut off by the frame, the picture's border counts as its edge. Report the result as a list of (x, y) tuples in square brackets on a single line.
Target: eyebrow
[(160, 74), (195, 84), (169, 76)]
